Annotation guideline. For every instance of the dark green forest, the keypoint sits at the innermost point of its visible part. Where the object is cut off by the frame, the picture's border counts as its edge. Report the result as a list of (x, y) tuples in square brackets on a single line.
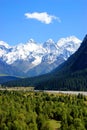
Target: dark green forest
[(75, 81), (42, 111)]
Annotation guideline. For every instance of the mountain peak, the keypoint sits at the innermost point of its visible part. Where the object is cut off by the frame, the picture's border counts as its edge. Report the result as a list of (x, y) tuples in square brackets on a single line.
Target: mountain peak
[(63, 41), (50, 46), (2, 43), (50, 41), (30, 56), (84, 43), (31, 41), (85, 38)]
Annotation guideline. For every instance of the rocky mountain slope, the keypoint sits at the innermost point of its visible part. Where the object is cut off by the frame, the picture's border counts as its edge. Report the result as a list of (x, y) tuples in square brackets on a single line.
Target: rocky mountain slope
[(31, 58)]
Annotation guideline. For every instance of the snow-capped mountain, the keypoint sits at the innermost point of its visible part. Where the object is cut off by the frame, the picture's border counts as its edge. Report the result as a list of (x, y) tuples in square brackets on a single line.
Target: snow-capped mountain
[(4, 48), (34, 58), (50, 46), (68, 46)]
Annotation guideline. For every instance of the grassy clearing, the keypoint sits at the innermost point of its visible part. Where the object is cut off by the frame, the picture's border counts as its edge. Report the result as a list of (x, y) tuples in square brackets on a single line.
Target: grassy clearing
[(54, 124)]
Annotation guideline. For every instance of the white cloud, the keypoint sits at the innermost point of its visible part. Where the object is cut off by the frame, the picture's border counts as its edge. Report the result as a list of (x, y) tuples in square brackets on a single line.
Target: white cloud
[(42, 17)]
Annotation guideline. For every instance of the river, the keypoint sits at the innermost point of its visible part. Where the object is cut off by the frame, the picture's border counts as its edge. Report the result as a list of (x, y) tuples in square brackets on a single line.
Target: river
[(65, 92)]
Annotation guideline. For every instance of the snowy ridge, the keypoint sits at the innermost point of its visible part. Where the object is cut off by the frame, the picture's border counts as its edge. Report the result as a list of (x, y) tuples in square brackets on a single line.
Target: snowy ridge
[(32, 54), (4, 44), (64, 41)]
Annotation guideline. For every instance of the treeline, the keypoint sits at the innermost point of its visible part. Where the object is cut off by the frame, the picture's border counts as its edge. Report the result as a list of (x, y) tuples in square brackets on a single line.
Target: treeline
[(35, 111), (75, 81)]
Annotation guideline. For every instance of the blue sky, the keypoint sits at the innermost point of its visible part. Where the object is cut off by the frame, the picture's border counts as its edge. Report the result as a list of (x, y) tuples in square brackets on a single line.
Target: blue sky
[(21, 20)]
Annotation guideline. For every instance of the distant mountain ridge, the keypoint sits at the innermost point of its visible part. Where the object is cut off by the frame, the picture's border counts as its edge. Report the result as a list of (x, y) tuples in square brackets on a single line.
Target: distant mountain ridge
[(7, 79), (32, 59), (70, 75)]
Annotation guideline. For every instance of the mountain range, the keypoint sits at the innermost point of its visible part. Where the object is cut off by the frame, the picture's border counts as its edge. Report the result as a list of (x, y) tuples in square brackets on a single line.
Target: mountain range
[(70, 75), (32, 58)]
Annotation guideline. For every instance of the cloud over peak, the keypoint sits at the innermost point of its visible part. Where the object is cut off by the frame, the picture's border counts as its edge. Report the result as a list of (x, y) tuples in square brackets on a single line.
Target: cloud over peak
[(43, 17)]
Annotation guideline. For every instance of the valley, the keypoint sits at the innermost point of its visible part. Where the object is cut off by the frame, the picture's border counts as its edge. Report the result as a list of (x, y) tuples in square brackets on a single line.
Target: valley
[(71, 75), (43, 65), (31, 89)]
